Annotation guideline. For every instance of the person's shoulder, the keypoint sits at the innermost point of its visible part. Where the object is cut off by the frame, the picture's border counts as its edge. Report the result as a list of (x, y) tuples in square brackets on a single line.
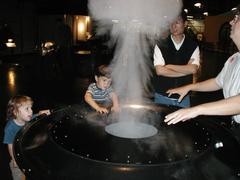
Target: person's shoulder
[(10, 122), (92, 88), (233, 58), (92, 85), (237, 54), (10, 131), (10, 125)]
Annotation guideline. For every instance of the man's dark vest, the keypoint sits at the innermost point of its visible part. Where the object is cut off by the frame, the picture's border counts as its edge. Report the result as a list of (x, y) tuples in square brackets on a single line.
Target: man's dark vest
[(172, 56)]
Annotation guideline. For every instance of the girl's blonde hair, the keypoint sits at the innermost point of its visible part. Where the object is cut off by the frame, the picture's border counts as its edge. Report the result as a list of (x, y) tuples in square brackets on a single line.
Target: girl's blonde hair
[(14, 103)]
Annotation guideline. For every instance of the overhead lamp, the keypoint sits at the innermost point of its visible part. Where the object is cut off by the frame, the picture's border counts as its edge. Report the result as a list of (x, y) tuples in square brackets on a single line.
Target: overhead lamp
[(186, 10), (10, 43), (198, 5), (205, 13), (47, 47)]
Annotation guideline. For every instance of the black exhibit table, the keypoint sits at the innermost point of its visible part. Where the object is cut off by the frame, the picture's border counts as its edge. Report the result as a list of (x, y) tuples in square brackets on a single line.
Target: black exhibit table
[(74, 143)]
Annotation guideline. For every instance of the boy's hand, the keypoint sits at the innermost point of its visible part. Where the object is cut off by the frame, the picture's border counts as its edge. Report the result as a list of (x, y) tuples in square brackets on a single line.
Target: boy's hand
[(47, 112), (102, 110)]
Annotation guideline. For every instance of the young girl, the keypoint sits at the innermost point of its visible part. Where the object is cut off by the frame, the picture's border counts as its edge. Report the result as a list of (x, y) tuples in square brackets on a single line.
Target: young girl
[(19, 111)]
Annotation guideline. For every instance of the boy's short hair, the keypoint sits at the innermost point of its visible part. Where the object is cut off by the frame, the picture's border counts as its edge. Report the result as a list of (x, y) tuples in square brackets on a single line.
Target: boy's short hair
[(100, 72)]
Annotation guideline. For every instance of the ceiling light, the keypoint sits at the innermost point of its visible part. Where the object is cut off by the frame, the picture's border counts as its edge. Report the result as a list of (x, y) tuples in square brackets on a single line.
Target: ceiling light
[(205, 13), (10, 43), (198, 4), (189, 17)]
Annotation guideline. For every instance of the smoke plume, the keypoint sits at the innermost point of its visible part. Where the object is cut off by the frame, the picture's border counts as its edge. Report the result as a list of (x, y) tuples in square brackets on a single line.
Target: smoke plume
[(132, 24)]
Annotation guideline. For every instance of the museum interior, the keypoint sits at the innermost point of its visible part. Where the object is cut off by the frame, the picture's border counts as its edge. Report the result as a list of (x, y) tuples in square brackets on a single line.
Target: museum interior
[(50, 50)]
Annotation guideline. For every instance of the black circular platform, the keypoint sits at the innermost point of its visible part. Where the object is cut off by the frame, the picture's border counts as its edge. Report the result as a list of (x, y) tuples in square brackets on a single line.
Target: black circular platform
[(72, 144)]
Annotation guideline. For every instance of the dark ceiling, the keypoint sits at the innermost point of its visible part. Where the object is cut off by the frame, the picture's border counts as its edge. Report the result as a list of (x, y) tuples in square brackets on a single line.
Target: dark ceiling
[(62, 6), (214, 7)]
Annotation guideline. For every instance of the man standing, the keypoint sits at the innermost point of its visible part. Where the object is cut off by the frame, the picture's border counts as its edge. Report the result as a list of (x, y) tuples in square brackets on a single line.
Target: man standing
[(228, 80), (176, 59)]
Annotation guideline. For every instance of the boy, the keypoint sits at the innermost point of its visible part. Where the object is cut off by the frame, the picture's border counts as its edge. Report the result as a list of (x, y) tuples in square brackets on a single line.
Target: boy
[(100, 95)]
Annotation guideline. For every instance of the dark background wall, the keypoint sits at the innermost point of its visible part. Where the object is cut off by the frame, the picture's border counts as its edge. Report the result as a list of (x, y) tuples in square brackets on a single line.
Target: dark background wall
[(31, 22)]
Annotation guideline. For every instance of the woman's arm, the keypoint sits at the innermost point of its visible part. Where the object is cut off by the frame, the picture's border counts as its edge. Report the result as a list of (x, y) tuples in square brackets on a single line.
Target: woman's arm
[(229, 106), (204, 86)]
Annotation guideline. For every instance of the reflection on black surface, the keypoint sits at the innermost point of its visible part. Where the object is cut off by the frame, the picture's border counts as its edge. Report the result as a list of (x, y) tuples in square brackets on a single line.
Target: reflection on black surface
[(89, 139), (11, 80)]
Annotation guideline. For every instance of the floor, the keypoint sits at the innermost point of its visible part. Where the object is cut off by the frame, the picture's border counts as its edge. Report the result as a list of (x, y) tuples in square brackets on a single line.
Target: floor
[(50, 87)]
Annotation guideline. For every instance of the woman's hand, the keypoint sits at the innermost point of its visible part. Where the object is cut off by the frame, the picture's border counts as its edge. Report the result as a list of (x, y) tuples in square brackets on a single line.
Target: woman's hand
[(181, 115), (182, 91)]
